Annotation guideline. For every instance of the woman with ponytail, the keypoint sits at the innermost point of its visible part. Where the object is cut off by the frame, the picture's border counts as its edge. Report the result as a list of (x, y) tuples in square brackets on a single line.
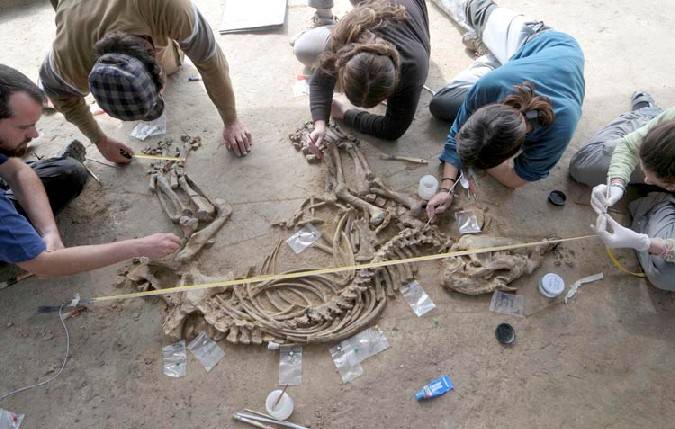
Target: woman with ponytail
[(514, 111), (379, 51)]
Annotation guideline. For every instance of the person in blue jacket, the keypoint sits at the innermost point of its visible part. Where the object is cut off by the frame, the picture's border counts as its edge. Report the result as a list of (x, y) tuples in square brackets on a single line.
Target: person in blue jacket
[(514, 111)]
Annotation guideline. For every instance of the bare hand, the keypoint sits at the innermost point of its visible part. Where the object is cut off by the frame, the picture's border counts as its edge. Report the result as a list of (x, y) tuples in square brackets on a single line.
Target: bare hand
[(158, 245), (53, 241), (337, 110), (316, 139), (438, 204), (237, 138), (115, 151)]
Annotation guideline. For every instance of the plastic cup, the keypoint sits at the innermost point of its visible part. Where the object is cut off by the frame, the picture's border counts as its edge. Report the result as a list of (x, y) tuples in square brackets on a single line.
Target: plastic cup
[(283, 410)]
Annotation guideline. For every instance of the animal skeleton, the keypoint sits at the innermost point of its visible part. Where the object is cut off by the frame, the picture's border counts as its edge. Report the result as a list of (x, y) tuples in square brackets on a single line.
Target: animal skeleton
[(182, 199), (486, 272)]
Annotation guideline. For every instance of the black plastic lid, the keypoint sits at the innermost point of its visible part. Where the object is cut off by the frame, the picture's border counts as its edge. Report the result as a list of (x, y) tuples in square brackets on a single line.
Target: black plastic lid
[(505, 334), (557, 198)]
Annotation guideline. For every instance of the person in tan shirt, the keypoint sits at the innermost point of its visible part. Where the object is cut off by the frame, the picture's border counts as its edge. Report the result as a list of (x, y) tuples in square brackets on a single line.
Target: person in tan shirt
[(120, 50)]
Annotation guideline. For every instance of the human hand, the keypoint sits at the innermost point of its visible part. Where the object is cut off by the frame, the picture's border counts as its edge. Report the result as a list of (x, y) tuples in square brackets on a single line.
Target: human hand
[(316, 139), (600, 201), (337, 110), (158, 245), (237, 138), (438, 204), (114, 151), (620, 237), (53, 241)]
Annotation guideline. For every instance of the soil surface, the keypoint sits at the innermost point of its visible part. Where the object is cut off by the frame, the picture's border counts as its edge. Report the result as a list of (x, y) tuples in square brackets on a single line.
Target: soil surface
[(605, 360)]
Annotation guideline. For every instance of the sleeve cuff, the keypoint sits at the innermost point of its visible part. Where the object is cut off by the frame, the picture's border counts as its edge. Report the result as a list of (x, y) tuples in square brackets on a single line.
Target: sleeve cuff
[(450, 158), (526, 175)]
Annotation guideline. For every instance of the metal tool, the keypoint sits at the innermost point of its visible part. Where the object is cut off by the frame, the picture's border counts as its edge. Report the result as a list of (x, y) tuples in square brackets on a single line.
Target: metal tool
[(16, 279), (251, 422), (91, 173), (264, 418), (431, 91)]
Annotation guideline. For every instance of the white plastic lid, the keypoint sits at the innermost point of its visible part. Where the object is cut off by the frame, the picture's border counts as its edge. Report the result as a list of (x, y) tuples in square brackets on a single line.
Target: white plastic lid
[(551, 285)]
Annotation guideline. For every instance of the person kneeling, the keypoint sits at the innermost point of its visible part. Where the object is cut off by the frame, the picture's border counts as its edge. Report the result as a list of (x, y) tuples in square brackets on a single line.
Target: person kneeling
[(32, 194)]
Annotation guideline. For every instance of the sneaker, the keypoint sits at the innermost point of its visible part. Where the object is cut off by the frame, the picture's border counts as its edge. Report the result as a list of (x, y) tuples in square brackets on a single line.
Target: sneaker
[(75, 150), (473, 44), (640, 100)]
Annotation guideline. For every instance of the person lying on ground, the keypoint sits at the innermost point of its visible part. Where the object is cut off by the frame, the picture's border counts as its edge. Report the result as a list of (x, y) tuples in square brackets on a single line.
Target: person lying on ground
[(379, 51), (120, 50), (30, 195), (638, 147), (515, 110)]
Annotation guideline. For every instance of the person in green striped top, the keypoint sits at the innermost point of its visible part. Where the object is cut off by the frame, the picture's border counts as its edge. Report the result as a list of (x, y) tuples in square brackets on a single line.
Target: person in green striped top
[(637, 147)]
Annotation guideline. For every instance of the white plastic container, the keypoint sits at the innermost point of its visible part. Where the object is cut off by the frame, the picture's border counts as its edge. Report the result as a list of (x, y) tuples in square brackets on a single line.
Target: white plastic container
[(283, 410), (551, 285), (427, 187)]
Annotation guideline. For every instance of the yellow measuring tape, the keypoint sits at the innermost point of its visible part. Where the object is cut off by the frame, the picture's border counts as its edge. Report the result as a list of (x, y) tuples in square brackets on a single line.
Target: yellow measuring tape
[(158, 157), (620, 267), (332, 270)]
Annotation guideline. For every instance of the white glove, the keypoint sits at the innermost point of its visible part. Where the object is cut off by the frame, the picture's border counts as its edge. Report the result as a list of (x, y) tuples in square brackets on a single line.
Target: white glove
[(599, 200), (620, 237)]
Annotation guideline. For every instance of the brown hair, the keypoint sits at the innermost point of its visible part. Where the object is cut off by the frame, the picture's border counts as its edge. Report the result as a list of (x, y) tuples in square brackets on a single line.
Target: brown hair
[(495, 133), (657, 151), (12, 81), (365, 67), (135, 46)]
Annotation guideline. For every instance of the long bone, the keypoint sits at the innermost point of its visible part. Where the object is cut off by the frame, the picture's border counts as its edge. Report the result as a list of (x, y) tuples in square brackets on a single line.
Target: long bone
[(200, 238)]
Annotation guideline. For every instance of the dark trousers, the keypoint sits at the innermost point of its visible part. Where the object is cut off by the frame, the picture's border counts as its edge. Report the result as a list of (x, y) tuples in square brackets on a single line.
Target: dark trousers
[(63, 179)]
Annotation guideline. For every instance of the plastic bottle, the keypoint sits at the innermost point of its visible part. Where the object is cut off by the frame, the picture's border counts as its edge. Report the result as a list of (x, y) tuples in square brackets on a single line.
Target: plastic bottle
[(437, 387), (427, 187)]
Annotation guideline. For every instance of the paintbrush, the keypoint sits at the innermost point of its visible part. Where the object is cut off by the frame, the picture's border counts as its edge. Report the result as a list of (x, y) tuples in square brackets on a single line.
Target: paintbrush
[(279, 397)]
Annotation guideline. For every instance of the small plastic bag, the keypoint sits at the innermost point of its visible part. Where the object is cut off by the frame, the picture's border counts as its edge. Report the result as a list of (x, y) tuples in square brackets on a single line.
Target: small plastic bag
[(145, 129), (10, 420), (349, 354), (346, 362), (290, 366), (467, 222), (207, 352), (507, 303), (174, 358), (418, 300), (304, 238)]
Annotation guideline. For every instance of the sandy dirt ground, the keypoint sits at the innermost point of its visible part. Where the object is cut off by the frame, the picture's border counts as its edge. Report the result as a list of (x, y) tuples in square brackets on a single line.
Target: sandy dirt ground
[(604, 361)]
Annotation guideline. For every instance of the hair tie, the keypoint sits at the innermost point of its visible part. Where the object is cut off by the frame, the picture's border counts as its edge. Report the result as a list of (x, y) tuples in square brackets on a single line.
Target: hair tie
[(532, 114)]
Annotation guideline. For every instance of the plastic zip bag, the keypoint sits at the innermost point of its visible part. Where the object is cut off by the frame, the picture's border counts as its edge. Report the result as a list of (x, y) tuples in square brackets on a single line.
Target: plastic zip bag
[(290, 366), (10, 420), (207, 352), (349, 353), (507, 303), (145, 129), (304, 238), (467, 222), (174, 358), (346, 362), (418, 300)]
